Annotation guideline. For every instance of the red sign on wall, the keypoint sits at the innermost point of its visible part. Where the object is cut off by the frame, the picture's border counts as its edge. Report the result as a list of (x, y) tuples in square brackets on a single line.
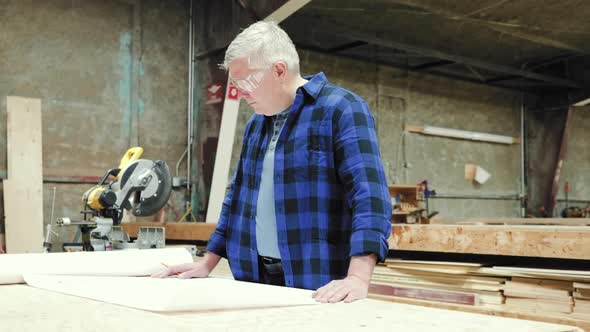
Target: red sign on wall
[(232, 92), (214, 93)]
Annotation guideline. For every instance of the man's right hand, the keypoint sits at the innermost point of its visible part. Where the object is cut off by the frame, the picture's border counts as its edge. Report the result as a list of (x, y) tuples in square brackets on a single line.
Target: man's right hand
[(198, 269)]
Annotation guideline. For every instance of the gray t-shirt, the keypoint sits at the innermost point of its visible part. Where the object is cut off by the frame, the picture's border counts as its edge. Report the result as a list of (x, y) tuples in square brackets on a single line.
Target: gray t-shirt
[(266, 220)]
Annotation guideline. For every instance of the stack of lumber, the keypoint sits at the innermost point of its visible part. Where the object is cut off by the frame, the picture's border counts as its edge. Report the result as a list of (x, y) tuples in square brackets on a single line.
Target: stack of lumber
[(539, 295), (581, 301), (545, 291), (448, 282)]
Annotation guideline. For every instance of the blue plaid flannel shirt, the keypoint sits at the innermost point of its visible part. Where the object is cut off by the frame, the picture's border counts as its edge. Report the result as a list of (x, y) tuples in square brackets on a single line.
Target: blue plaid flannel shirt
[(331, 195)]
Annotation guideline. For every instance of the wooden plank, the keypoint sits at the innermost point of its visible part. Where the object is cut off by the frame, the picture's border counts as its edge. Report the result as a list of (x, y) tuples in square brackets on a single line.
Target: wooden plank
[(423, 293), (286, 10), (567, 275), (380, 270), (219, 182), (175, 231), (437, 283), (559, 160), (31, 309), (537, 241), (23, 192)]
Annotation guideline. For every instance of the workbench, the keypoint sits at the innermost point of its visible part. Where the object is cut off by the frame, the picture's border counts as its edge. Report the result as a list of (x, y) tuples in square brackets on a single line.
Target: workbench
[(503, 238), (25, 308)]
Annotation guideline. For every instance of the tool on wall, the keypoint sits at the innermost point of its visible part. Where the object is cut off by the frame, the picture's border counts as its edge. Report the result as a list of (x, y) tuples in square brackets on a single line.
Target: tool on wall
[(573, 211), (426, 193)]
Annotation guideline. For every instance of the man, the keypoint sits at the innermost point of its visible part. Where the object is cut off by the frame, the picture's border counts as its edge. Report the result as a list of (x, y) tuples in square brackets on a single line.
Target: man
[(308, 205)]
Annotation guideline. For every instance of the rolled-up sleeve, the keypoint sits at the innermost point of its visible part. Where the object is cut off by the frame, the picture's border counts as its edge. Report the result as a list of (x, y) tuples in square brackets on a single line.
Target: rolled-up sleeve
[(217, 241), (360, 169)]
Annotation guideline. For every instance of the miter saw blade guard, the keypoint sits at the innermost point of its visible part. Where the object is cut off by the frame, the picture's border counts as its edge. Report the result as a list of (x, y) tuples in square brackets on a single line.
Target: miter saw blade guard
[(144, 187)]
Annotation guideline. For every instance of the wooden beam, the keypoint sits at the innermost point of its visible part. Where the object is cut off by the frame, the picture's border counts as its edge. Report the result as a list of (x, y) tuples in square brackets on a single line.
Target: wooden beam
[(559, 160), (229, 121), (175, 231), (582, 103), (286, 10), (570, 242)]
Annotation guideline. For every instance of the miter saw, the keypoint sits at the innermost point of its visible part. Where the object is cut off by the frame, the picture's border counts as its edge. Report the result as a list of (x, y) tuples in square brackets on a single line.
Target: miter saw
[(140, 186)]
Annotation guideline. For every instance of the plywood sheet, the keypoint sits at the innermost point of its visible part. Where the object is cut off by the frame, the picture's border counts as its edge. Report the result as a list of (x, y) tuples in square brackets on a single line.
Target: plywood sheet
[(98, 263), (32, 309)]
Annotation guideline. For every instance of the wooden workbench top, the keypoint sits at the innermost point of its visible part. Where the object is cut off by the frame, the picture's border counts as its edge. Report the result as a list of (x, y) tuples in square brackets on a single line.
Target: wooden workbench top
[(25, 308), (571, 242)]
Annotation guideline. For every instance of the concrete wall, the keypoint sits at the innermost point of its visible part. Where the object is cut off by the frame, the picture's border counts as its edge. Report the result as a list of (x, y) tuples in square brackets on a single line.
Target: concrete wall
[(111, 74), (397, 98)]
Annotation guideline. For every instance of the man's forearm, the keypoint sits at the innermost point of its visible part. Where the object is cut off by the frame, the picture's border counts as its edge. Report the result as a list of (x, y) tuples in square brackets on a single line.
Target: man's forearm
[(211, 260), (362, 267)]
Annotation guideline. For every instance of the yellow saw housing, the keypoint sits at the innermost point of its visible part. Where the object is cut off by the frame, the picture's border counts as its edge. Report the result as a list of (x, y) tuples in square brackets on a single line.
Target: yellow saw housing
[(92, 196)]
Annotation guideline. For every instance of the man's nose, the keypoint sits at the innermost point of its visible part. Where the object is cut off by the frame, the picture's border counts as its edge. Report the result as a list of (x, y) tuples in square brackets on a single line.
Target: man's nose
[(244, 94)]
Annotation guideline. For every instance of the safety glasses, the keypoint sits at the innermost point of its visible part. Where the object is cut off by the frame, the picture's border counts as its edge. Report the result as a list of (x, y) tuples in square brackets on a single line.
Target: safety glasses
[(250, 82)]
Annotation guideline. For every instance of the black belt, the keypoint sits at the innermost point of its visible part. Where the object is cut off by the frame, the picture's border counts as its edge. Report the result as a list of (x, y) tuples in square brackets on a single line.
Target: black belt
[(271, 271), (269, 260)]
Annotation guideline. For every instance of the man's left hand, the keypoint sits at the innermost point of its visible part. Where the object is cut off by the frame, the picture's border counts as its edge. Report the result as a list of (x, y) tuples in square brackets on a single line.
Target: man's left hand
[(348, 289)]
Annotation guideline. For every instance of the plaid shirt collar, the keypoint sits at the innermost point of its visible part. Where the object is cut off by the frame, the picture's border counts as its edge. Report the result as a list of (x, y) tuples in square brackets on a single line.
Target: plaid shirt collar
[(315, 84)]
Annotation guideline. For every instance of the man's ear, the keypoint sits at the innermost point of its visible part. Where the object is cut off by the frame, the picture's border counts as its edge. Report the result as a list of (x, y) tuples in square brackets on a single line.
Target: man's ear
[(279, 69)]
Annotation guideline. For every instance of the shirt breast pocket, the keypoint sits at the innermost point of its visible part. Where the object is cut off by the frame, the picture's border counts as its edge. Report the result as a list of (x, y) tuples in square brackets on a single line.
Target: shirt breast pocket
[(314, 156)]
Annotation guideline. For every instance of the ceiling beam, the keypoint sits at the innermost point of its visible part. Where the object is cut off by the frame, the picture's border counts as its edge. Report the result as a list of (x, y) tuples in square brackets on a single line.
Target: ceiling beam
[(347, 46), (476, 73), (534, 34), (384, 42), (429, 65), (312, 48), (502, 78)]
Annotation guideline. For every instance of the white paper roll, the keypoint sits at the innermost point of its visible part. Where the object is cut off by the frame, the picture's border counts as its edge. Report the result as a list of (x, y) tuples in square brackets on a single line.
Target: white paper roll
[(98, 263)]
